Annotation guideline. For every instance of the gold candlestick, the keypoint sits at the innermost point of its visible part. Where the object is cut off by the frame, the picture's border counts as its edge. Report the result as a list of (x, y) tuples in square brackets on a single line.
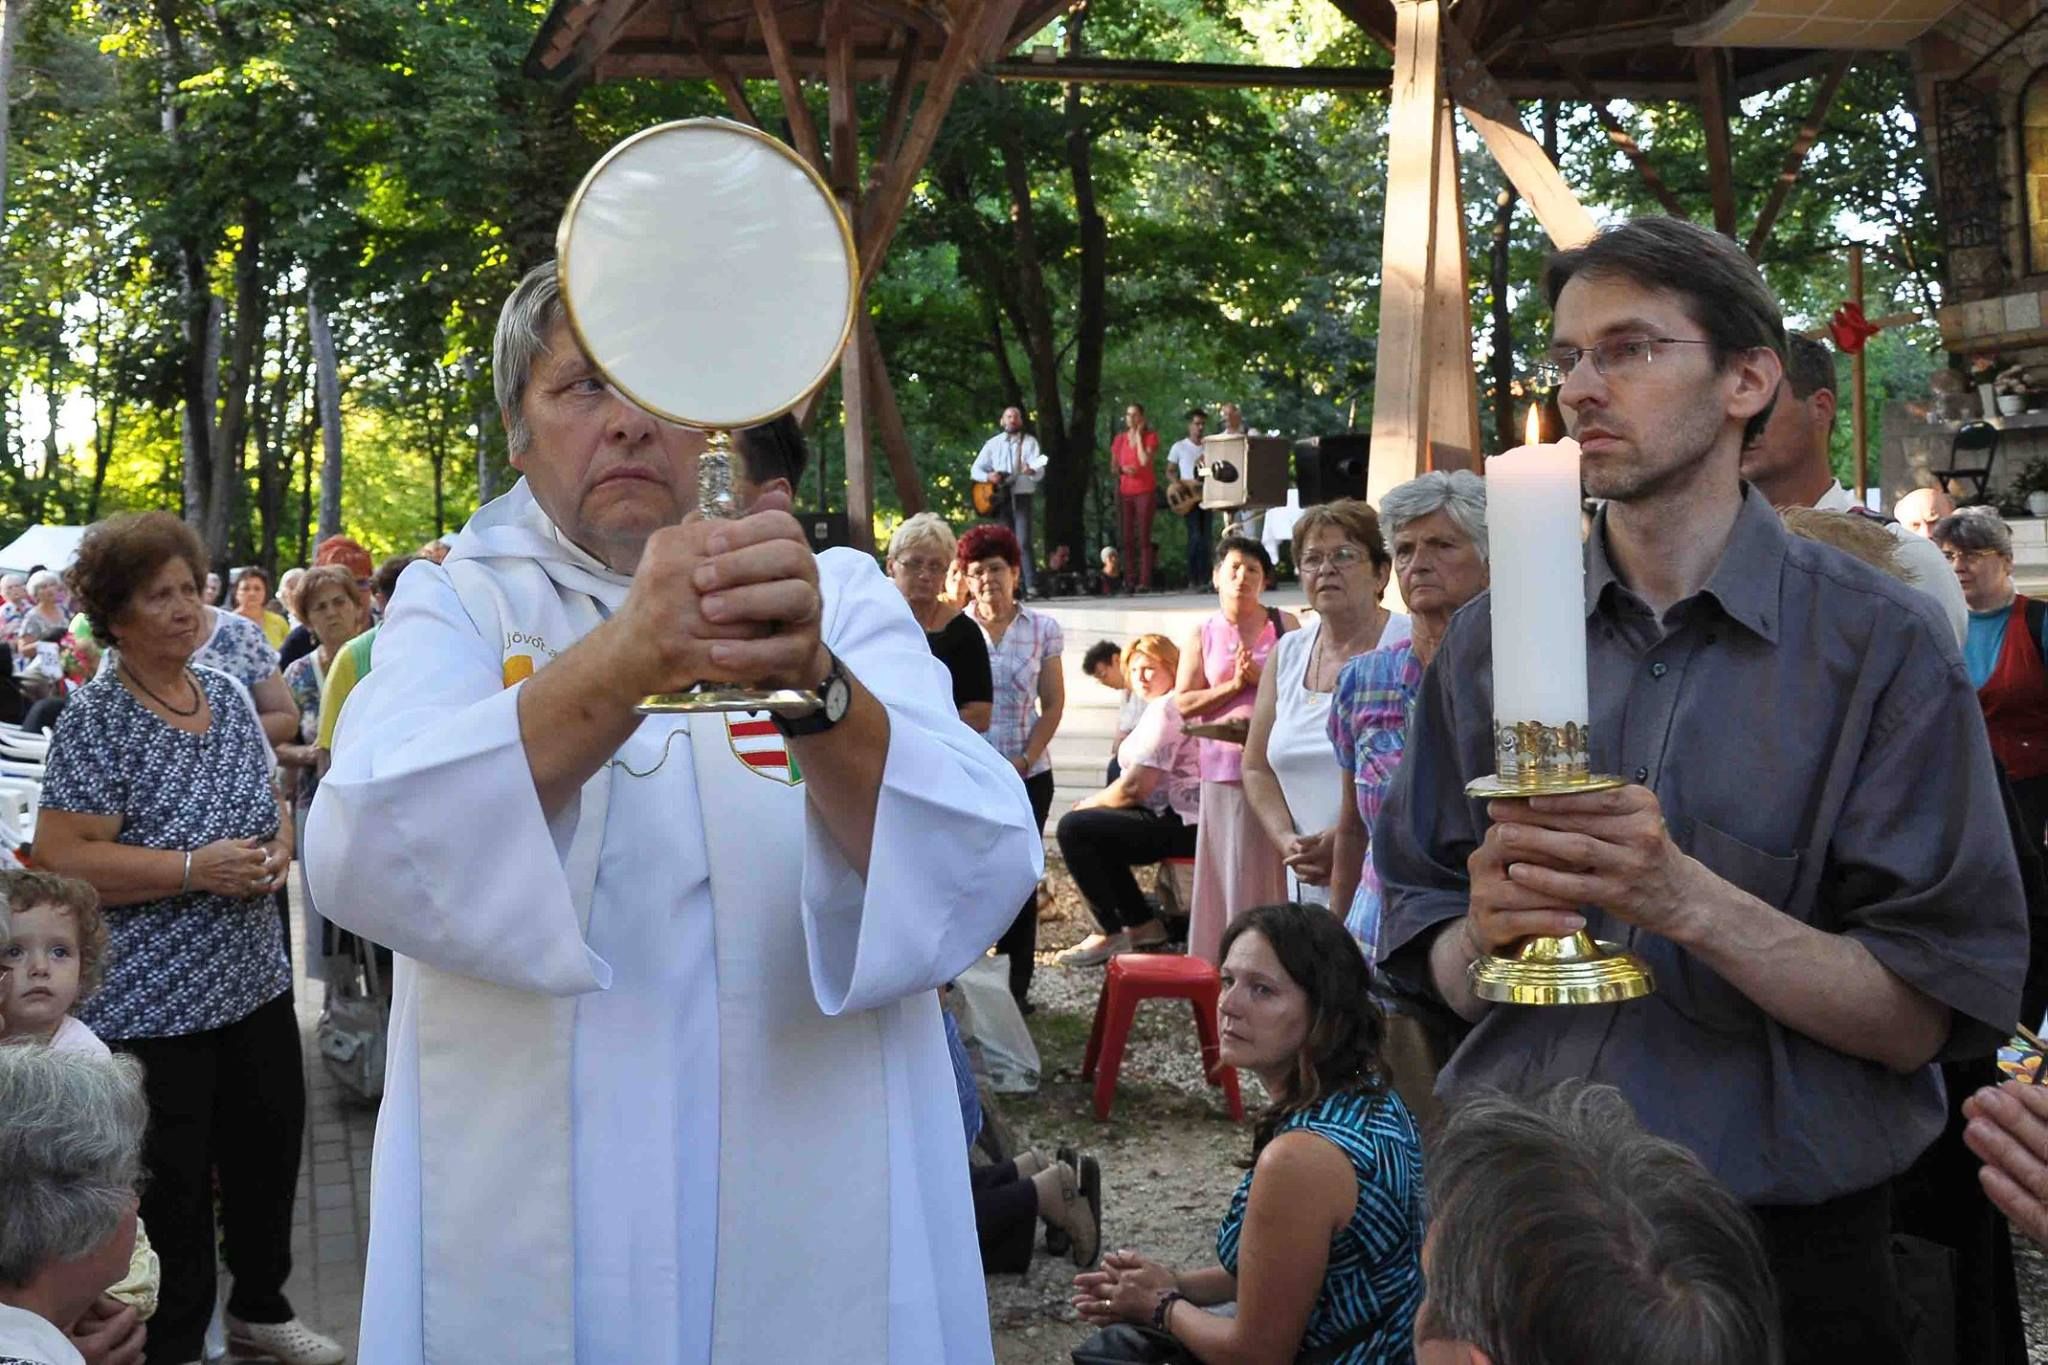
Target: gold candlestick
[(1533, 759)]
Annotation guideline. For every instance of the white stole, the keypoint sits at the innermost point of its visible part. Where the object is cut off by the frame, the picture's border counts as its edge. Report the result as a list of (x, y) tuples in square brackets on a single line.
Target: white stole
[(803, 1116)]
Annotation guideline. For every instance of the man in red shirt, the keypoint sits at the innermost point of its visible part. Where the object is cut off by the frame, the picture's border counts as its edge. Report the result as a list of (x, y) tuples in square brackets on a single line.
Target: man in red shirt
[(1137, 488)]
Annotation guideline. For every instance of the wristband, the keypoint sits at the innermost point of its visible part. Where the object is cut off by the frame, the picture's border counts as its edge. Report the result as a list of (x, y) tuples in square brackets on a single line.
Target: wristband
[(1164, 1310), (186, 884)]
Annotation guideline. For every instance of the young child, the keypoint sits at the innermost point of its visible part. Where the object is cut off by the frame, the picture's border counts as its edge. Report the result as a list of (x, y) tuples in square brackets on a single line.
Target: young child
[(51, 954), (59, 944)]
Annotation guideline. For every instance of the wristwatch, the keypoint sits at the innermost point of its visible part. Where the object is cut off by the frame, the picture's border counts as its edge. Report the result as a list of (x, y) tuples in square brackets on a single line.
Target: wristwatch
[(835, 695)]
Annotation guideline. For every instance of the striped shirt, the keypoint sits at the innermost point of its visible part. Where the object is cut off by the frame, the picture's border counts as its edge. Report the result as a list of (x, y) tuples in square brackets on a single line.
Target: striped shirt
[(1373, 1278), (1014, 665)]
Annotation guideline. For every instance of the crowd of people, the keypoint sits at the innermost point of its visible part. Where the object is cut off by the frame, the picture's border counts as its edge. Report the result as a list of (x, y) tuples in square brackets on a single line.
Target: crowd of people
[(676, 981)]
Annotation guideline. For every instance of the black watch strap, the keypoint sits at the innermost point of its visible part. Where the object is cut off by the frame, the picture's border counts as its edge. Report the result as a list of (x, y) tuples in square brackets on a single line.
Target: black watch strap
[(835, 697)]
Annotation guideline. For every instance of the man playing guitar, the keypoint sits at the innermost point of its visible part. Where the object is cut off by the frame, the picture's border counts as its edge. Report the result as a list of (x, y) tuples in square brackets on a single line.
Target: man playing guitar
[(1184, 495), (1006, 475)]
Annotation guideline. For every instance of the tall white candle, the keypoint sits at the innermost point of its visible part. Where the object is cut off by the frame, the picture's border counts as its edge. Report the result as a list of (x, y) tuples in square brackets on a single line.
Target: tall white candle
[(1539, 603)]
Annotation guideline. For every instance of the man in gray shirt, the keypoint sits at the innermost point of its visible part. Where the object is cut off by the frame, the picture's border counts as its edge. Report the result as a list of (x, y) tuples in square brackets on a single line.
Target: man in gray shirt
[(1812, 856)]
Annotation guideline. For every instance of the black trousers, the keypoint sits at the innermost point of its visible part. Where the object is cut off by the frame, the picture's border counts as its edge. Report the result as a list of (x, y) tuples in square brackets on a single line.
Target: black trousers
[(229, 1102), (1020, 941), (1102, 846), (2032, 795), (1837, 1290), (1005, 1216)]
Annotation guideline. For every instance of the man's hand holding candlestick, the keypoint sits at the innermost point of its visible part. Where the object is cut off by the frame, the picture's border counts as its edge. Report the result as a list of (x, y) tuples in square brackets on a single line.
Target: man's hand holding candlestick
[(1609, 849)]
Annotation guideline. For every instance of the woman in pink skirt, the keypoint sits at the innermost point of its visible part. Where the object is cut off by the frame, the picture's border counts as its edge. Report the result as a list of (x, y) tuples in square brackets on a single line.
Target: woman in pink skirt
[(1236, 864)]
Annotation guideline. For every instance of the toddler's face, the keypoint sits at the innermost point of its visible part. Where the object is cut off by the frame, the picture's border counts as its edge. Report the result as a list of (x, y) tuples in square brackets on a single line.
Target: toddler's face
[(42, 981)]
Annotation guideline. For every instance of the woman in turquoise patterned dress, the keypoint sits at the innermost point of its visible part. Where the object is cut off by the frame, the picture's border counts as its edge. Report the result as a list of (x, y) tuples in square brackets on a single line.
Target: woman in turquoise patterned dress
[(1321, 1250)]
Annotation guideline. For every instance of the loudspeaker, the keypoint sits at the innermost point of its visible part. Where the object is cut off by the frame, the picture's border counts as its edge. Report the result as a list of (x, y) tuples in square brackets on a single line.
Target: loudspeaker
[(825, 529), (1327, 468), (1244, 471)]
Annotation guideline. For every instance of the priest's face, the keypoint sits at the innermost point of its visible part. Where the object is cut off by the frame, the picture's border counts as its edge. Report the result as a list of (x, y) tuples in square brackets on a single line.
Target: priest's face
[(606, 472)]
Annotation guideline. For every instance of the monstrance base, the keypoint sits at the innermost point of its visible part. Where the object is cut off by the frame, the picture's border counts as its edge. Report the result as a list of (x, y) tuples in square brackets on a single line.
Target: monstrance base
[(783, 701), (1494, 787), (1561, 971)]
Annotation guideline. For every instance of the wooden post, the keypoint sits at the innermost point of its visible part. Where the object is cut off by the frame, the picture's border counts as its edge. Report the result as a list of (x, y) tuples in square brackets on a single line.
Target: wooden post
[(1401, 387), (1859, 373), (844, 173), (888, 419), (1529, 167), (1708, 64), (1453, 427)]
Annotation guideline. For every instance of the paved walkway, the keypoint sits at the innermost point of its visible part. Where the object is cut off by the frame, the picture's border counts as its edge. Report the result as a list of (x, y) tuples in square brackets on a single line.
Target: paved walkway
[(332, 1224)]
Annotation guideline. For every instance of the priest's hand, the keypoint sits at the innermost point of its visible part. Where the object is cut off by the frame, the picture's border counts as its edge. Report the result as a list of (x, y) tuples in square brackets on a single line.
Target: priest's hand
[(1609, 849), (725, 601)]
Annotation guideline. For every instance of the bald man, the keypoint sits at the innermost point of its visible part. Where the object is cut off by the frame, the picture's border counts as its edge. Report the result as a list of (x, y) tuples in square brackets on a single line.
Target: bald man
[(1921, 508)]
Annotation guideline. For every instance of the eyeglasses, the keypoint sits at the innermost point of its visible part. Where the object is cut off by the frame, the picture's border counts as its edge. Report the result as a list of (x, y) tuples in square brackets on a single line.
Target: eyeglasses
[(1955, 556), (1623, 353), (923, 566), (1343, 557)]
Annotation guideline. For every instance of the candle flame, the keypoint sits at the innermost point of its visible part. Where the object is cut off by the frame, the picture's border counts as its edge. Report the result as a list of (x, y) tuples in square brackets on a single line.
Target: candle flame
[(1532, 430)]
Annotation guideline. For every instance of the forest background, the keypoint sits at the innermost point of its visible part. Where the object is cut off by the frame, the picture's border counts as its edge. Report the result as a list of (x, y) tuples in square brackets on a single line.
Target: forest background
[(254, 251)]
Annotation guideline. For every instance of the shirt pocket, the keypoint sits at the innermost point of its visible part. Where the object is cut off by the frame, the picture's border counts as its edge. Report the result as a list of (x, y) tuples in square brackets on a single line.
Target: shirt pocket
[(1696, 990)]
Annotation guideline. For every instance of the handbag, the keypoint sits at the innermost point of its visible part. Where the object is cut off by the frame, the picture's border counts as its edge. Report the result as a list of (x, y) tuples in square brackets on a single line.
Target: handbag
[(1125, 1343), (355, 1022)]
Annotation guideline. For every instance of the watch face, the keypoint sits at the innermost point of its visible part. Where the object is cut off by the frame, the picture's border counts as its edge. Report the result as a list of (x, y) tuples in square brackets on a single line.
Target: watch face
[(838, 697)]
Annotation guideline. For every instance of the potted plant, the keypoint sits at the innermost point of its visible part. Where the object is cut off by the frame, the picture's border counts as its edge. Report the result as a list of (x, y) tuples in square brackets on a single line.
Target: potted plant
[(2011, 387), (2031, 483)]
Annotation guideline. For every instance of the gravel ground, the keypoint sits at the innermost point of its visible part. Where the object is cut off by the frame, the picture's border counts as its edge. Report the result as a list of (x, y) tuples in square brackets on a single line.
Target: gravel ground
[(1169, 1151)]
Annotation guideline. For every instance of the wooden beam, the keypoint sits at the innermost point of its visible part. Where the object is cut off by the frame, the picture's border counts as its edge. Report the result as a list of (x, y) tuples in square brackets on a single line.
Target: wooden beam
[(1401, 378), (608, 19), (883, 211), (801, 129), (887, 419), (1621, 137), (1859, 384), (860, 469), (716, 67), (1453, 430), (1521, 157), (1795, 155), (842, 95), (1223, 75), (896, 113), (1711, 69)]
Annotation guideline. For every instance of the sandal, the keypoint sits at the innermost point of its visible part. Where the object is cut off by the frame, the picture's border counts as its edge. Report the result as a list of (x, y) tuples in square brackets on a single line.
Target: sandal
[(1086, 954), (1057, 1239)]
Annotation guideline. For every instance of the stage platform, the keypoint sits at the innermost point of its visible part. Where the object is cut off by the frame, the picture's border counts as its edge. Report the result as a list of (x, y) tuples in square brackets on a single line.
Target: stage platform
[(1081, 747)]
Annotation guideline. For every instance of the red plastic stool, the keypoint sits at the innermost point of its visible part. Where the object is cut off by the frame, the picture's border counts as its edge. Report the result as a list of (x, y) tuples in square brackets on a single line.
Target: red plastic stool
[(1131, 977)]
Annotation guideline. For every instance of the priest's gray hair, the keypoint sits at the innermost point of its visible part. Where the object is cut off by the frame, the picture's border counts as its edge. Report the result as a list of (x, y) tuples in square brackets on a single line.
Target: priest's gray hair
[(70, 1155), (1459, 494), (924, 529), (532, 311)]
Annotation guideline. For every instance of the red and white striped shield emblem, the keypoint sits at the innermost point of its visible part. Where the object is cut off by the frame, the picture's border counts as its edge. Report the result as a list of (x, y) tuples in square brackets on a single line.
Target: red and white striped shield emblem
[(758, 744)]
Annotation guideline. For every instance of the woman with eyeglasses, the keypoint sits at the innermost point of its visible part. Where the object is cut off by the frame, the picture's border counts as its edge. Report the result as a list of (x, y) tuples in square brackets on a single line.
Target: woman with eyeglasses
[(920, 554), (2004, 653), (1290, 771)]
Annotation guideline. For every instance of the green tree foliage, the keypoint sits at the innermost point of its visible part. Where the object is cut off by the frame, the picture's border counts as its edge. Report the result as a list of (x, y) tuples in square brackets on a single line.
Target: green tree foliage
[(182, 176)]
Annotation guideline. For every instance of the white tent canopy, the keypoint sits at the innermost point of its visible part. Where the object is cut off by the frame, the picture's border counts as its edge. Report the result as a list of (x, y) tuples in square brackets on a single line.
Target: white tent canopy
[(52, 546)]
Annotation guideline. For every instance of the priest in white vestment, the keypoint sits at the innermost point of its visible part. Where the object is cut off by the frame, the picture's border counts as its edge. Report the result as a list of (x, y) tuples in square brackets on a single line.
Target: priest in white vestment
[(667, 1079)]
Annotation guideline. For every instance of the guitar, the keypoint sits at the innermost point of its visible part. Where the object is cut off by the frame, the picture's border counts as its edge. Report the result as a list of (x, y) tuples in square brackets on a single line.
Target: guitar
[(1183, 496), (990, 496)]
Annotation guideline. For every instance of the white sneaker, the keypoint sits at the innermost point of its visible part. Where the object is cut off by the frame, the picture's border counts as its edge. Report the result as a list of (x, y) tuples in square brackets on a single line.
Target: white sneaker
[(287, 1343), (1094, 954)]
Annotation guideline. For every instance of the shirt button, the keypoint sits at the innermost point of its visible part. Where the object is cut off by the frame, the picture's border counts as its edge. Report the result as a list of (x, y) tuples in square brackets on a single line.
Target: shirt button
[(1642, 775), (1658, 670)]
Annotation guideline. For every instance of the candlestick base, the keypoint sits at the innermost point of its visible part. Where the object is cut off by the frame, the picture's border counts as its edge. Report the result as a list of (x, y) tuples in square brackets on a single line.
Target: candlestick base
[(1496, 787), (1561, 971), (784, 701)]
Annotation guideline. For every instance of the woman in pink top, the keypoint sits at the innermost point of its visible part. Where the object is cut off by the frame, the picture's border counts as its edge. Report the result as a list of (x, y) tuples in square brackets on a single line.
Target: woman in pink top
[(1236, 865)]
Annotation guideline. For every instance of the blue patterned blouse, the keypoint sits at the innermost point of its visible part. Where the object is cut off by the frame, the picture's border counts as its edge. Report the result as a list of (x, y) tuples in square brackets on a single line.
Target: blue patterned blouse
[(183, 964), (1374, 1274)]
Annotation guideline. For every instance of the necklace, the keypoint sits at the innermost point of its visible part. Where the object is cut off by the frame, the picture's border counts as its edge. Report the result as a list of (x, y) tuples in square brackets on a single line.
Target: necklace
[(186, 674), (1314, 674)]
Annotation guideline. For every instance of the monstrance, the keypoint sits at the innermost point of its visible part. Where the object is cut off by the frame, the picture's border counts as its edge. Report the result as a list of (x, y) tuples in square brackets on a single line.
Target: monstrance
[(708, 273)]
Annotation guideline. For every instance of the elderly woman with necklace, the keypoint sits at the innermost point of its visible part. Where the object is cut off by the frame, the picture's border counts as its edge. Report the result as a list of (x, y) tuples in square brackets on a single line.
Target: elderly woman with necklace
[(1237, 865), (160, 792), (1290, 774), (1030, 697)]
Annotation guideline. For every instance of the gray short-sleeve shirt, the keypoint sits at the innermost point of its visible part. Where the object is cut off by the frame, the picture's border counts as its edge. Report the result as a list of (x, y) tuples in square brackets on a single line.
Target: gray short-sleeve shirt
[(1808, 728)]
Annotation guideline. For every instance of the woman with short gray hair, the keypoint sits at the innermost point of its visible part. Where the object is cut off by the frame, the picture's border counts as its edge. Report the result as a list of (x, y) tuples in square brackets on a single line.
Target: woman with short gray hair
[(70, 1157), (919, 553), (1436, 525), (2003, 652)]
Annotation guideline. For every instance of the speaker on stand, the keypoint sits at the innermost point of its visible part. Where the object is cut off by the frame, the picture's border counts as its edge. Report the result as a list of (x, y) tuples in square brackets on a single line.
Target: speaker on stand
[(825, 529)]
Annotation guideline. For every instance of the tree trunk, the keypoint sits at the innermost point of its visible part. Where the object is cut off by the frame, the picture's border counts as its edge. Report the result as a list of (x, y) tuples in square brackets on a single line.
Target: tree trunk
[(327, 394), (252, 302), (12, 16), (1066, 497), (483, 418)]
